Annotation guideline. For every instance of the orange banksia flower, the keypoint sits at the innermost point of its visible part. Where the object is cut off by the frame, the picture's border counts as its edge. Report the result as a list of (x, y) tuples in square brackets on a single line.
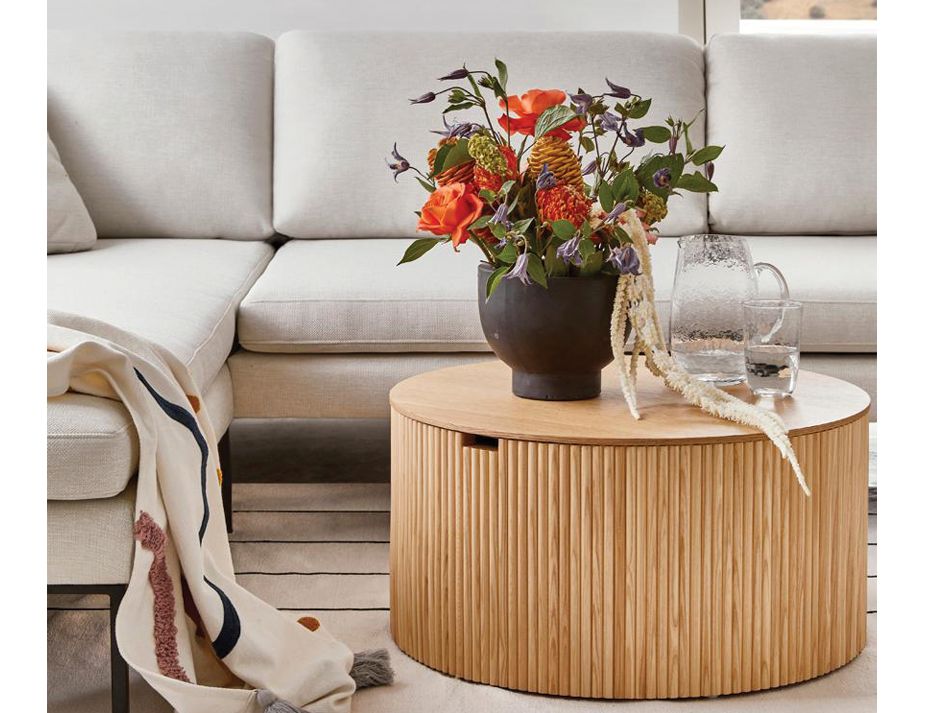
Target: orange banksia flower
[(563, 202), (558, 156), (461, 173)]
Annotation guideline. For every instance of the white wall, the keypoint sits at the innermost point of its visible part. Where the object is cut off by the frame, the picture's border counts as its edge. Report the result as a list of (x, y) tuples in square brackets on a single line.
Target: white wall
[(272, 17)]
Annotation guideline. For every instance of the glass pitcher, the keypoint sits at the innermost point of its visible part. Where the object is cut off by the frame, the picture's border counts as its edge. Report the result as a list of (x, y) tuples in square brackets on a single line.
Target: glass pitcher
[(713, 276)]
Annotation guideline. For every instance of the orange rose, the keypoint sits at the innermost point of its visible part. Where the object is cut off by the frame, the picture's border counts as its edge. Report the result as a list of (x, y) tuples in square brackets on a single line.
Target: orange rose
[(451, 209), (528, 108)]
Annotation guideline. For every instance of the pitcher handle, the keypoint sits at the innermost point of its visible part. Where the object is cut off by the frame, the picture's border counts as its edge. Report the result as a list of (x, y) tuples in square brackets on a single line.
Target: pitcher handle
[(778, 275)]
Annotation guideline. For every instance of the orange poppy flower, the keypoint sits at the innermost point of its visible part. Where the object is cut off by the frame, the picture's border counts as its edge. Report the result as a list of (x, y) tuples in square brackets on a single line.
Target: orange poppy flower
[(529, 107)]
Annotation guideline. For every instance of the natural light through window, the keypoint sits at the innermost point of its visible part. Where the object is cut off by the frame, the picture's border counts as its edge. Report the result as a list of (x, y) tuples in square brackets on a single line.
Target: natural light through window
[(837, 16)]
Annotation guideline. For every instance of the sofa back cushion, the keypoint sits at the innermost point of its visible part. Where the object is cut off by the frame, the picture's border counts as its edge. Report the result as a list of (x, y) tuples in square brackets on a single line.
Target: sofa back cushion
[(69, 225), (166, 134), (342, 100), (798, 117)]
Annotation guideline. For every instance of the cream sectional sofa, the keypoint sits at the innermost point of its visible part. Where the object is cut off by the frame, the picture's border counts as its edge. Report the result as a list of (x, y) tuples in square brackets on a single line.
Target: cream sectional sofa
[(248, 223)]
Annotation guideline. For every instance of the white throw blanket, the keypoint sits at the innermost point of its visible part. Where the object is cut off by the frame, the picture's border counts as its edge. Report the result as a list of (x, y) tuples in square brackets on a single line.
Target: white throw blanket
[(201, 640)]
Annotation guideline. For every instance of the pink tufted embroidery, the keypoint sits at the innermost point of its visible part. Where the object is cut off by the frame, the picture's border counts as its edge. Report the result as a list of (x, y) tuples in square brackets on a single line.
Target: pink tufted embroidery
[(154, 539)]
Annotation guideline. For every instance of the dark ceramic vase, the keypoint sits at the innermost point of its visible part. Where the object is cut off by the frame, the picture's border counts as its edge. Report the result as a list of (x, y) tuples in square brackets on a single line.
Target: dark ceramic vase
[(556, 340)]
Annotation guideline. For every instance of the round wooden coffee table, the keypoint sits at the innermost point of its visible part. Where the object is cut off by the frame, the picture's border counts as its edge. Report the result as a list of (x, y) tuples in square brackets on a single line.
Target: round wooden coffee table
[(564, 548)]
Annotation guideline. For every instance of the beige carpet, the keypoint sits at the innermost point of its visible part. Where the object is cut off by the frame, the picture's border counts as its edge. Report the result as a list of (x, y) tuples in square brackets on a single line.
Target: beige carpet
[(322, 548)]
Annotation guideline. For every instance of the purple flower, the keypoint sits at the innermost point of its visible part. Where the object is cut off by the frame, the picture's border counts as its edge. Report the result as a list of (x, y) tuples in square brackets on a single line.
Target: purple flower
[(672, 143), (500, 216), (568, 251), (545, 179), (590, 168), (710, 168), (617, 91), (625, 260), (461, 73), (424, 98), (582, 102), (463, 129), (633, 138), (617, 211), (611, 122), (401, 163), (661, 178), (519, 271)]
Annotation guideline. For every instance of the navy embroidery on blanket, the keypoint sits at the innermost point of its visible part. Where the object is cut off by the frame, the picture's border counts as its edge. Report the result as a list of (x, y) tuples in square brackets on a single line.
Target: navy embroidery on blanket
[(231, 623)]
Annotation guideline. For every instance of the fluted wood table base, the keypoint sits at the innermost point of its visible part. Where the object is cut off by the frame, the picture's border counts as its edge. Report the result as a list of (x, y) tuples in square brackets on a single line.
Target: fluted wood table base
[(628, 571)]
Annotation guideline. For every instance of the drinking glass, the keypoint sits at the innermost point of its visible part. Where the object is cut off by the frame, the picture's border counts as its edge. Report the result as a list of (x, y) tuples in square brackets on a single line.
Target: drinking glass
[(772, 345)]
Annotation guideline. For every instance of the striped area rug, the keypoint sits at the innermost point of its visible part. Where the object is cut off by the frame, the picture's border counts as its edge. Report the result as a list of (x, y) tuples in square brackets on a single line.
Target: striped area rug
[(322, 549)]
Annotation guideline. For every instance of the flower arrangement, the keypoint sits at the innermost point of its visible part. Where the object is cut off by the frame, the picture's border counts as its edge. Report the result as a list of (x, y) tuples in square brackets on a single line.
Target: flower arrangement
[(545, 192), (567, 200)]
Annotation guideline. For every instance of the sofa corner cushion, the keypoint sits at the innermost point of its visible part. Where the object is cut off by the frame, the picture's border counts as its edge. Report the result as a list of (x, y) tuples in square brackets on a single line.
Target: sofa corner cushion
[(180, 294), (798, 117), (92, 444), (349, 296), (70, 227), (370, 77), (166, 134)]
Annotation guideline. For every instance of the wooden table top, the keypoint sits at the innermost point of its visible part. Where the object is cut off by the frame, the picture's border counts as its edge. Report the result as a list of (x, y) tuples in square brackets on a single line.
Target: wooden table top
[(477, 399)]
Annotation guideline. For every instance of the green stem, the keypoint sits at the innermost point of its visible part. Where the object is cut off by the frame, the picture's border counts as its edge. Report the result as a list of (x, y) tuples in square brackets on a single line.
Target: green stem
[(484, 248)]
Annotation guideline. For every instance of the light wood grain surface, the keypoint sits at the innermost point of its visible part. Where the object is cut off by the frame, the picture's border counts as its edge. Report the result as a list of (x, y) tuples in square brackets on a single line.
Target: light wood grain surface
[(477, 399), (635, 567)]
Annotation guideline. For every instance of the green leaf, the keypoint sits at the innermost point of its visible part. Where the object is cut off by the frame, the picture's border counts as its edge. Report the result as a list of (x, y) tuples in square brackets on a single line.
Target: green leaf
[(605, 194), (592, 264), (536, 270), (688, 146), (488, 195), (585, 248), (555, 267), (505, 187), (475, 87), (707, 153), (521, 225), (459, 107), (502, 73), (553, 118), (673, 162), (495, 279), (419, 247), (656, 134), (440, 158), (459, 153), (508, 254), (429, 187), (625, 187), (586, 229), (498, 230), (587, 143), (563, 229), (696, 183), (639, 109), (480, 222), (622, 235)]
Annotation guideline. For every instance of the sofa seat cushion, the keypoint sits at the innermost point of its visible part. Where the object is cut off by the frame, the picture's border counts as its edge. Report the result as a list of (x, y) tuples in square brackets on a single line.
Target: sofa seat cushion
[(349, 296), (834, 276), (93, 445), (181, 294)]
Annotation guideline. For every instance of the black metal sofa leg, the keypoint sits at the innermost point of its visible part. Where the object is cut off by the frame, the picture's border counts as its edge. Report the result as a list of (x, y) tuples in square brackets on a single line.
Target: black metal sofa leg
[(118, 668), (224, 456)]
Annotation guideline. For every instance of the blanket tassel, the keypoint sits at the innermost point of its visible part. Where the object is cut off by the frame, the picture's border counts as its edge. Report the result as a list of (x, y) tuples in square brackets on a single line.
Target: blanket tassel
[(271, 704), (372, 668)]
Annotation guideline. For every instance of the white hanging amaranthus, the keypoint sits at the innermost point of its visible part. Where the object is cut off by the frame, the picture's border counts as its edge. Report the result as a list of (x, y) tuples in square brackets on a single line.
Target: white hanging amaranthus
[(635, 303)]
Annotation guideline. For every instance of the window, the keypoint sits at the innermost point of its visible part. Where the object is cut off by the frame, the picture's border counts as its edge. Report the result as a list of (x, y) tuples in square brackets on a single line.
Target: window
[(808, 16)]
